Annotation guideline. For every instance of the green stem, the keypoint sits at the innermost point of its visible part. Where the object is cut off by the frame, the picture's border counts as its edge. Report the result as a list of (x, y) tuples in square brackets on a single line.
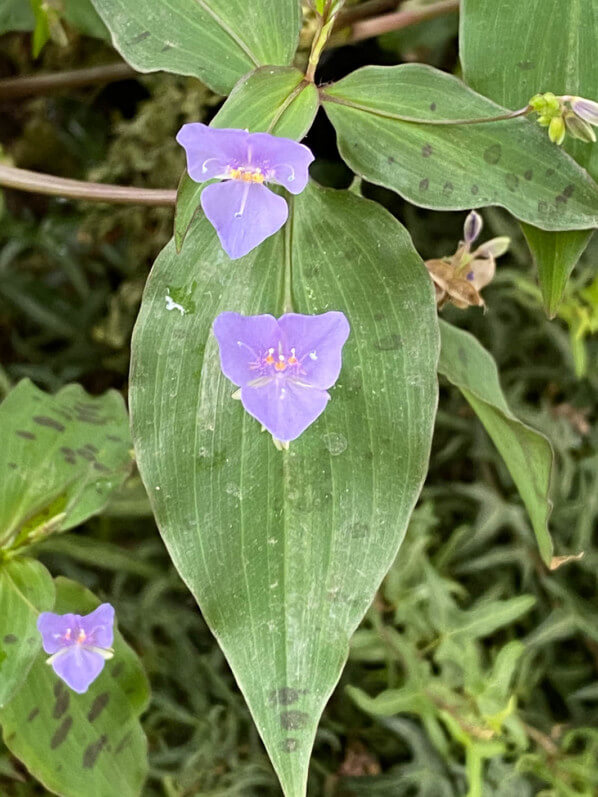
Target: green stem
[(287, 301), (412, 120)]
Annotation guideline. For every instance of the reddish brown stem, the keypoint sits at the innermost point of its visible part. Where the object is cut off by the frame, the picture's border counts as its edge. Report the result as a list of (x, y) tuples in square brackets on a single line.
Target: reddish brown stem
[(38, 183), (54, 81), (386, 23)]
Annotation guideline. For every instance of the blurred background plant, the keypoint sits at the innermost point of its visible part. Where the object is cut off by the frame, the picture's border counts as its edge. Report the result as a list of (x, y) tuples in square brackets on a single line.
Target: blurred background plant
[(476, 670)]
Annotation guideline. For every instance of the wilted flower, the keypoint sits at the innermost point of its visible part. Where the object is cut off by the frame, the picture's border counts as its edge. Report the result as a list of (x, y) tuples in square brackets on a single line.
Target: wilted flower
[(566, 114), (241, 208), (460, 278), (284, 367), (79, 645)]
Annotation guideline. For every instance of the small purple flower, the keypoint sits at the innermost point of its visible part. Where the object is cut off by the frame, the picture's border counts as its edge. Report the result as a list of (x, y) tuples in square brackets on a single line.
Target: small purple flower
[(243, 211), (284, 367), (79, 645), (585, 109)]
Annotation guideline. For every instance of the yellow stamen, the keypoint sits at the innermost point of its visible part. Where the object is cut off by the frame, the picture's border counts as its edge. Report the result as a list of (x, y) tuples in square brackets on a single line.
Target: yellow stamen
[(247, 175)]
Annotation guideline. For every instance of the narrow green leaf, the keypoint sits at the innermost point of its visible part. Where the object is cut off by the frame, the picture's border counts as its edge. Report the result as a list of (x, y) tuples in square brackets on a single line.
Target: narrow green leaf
[(284, 550), (26, 588), (61, 459), (559, 57), (275, 100), (509, 163), (556, 254), (527, 454), (90, 744), (217, 41)]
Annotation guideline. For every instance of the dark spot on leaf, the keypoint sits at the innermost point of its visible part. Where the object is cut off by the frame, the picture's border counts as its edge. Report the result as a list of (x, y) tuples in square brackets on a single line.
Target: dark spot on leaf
[(447, 188), (166, 47), (90, 756), (426, 150), (88, 455), (58, 688), (424, 184), (379, 316), (61, 705), (432, 106), (493, 154), (91, 447), (51, 423), (13, 465), (61, 733), (475, 189), (289, 745), (525, 66), (360, 530), (68, 452), (286, 696), (117, 669), (390, 159), (512, 181), (568, 191), (294, 720), (32, 714), (26, 435), (549, 172), (98, 705), (140, 37), (389, 343), (10, 639), (70, 460), (64, 414), (95, 420), (114, 438), (123, 743), (542, 206), (100, 467), (528, 174)]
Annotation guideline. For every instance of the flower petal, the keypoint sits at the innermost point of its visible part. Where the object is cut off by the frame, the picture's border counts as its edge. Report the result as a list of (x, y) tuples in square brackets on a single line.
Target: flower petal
[(585, 109), (243, 214), (318, 340), (284, 408), (53, 627), (78, 667), (285, 160), (242, 341), (211, 150), (99, 626)]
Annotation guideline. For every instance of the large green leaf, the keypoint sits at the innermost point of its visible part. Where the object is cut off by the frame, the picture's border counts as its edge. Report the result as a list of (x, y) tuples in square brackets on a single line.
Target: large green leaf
[(550, 46), (510, 163), (284, 550), (26, 588), (275, 100), (527, 454), (61, 458), (217, 41), (90, 744)]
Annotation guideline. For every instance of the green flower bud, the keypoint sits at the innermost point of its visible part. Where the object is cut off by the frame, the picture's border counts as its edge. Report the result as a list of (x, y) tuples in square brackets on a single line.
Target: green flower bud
[(557, 130), (553, 103), (544, 121), (537, 103)]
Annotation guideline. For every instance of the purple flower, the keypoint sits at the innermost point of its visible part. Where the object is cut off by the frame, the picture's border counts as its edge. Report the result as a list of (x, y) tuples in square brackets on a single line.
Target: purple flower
[(243, 211), (283, 367), (79, 645)]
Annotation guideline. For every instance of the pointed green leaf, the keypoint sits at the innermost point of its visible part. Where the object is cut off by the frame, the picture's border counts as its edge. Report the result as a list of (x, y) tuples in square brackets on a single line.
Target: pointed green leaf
[(26, 588), (61, 459), (90, 744), (284, 550), (560, 57), (527, 454), (275, 100), (217, 41), (509, 163), (556, 254)]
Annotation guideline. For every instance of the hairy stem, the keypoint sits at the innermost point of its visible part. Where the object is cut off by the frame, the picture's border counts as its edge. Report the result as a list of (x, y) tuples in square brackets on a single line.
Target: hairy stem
[(55, 81), (38, 183)]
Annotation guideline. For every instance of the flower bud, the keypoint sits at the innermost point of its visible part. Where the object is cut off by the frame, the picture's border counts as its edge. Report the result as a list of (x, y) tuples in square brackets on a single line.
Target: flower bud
[(579, 129), (472, 227), (495, 247), (557, 130), (585, 109)]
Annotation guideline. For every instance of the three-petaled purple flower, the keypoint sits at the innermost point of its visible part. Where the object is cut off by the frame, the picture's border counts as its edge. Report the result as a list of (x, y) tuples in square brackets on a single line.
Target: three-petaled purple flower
[(243, 211), (284, 367), (79, 645)]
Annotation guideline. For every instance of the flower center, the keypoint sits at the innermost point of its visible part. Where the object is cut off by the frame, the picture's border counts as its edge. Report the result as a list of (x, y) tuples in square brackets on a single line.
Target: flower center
[(247, 175)]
